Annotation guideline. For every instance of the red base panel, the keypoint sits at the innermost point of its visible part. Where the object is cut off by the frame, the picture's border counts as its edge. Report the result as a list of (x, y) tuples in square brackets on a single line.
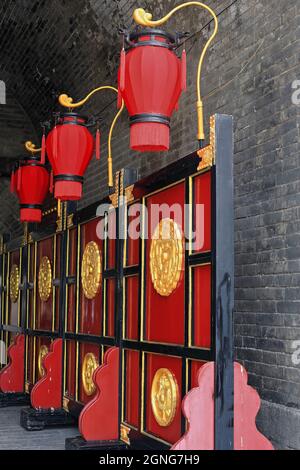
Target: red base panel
[(12, 376), (99, 420), (198, 408), (47, 392)]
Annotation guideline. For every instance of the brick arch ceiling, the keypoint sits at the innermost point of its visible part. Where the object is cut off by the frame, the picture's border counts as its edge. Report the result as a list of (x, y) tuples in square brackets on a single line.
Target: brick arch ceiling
[(49, 47)]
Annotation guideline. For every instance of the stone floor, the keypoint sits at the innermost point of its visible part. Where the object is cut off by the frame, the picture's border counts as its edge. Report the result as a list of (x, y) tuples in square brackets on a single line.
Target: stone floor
[(13, 437)]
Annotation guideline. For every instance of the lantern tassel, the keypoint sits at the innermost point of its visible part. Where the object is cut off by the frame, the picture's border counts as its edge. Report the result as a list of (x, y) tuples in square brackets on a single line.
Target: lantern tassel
[(122, 70), (183, 70), (43, 152), (98, 145), (51, 183), (12, 182)]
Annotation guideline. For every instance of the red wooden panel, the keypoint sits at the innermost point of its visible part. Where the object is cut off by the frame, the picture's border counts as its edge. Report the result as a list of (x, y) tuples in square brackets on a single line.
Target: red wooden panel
[(91, 310), (111, 262), (132, 388), (57, 275), (202, 195), (155, 362), (13, 307), (202, 306), (86, 348), (44, 310), (72, 252), (133, 243), (99, 420), (132, 307), (161, 312), (71, 309), (30, 359), (195, 367), (46, 394), (71, 369), (110, 315), (12, 376)]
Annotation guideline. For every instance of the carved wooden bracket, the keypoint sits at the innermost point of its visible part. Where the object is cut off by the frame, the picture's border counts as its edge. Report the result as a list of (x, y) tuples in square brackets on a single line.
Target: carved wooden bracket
[(198, 408), (12, 376), (99, 420), (47, 392)]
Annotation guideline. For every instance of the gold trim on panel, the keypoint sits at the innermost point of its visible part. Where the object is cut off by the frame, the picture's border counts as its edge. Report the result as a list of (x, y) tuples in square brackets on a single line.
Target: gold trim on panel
[(77, 372), (207, 154), (124, 434), (42, 353), (143, 391), (54, 277), (45, 279), (78, 238), (164, 397), (91, 270), (14, 280), (66, 403), (90, 364), (166, 257), (34, 285)]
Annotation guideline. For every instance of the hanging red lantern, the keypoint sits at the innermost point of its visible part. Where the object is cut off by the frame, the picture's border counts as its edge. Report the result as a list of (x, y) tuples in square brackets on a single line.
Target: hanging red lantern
[(151, 80), (70, 148), (30, 182)]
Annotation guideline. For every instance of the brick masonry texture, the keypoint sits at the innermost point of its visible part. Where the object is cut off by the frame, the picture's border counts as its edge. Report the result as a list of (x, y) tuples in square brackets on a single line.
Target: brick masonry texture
[(49, 47)]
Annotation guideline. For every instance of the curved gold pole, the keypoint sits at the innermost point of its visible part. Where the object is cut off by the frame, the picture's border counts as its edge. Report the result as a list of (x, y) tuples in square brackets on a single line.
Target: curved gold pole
[(143, 18), (30, 147), (67, 102)]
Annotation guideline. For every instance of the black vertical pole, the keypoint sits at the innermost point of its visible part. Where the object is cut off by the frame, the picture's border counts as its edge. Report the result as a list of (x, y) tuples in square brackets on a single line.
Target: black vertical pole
[(224, 283)]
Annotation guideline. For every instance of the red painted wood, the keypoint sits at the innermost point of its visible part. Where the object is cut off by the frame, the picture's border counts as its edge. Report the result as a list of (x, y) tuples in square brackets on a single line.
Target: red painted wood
[(202, 192), (12, 376), (44, 310), (91, 310), (158, 324), (202, 306), (155, 362), (132, 307), (198, 408), (132, 387), (47, 392), (99, 420)]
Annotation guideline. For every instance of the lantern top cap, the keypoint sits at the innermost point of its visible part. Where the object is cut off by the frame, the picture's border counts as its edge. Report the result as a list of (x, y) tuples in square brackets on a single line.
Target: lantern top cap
[(137, 33), (73, 114)]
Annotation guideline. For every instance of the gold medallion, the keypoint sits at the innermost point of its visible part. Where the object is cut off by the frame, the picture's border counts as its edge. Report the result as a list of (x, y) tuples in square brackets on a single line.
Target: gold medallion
[(164, 397), (166, 257), (42, 353), (89, 366), (14, 281), (45, 279), (91, 271)]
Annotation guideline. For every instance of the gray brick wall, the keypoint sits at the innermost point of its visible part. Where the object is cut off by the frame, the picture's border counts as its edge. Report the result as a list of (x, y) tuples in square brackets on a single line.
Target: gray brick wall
[(73, 46)]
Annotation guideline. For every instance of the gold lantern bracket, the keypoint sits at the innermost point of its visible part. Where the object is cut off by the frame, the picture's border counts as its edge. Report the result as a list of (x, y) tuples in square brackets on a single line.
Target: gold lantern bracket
[(67, 102), (143, 18)]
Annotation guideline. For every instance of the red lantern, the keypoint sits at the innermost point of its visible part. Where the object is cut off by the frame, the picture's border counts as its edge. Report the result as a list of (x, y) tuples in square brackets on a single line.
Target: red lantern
[(151, 79), (30, 182), (70, 148)]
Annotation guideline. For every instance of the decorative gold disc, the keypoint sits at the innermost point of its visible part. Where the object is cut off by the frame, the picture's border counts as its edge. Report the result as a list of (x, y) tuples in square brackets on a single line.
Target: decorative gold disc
[(42, 353), (164, 397), (45, 279), (14, 281), (91, 270), (89, 366), (166, 257)]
